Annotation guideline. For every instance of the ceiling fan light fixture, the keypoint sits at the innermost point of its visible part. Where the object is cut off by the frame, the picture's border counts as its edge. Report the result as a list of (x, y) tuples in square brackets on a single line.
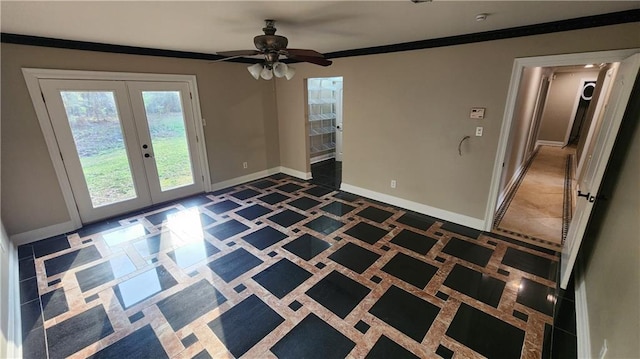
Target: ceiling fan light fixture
[(280, 69), (266, 73), (290, 72), (255, 70)]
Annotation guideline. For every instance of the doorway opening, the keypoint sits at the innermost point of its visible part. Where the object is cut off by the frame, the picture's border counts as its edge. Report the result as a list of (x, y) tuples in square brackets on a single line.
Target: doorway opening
[(325, 123)]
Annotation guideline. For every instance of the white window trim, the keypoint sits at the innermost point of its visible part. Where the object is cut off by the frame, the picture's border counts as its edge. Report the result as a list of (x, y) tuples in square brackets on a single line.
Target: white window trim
[(32, 77)]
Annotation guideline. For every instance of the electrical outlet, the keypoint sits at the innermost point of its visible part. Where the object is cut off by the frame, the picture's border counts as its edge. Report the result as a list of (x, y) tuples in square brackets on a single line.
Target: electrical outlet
[(479, 131), (244, 165), (393, 183), (603, 350)]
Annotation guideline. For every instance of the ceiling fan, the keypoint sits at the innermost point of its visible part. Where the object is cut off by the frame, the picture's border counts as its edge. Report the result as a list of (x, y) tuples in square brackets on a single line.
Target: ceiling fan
[(273, 46)]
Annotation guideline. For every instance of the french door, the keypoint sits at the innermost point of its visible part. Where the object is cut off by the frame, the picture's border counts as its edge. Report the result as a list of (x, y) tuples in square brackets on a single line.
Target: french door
[(125, 144)]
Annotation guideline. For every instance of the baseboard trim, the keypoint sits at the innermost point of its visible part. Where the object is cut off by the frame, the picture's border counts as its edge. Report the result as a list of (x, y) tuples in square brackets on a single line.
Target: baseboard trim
[(295, 173), (510, 184), (582, 313), (244, 179), (42, 233), (14, 335), (457, 218), (549, 143)]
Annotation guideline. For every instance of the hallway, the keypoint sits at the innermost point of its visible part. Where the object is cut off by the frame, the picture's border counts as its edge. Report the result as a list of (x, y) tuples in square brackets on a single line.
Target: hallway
[(539, 206)]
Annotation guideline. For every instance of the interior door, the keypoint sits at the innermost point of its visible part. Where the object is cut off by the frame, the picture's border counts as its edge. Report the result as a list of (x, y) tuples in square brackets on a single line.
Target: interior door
[(589, 185), (339, 125), (125, 145)]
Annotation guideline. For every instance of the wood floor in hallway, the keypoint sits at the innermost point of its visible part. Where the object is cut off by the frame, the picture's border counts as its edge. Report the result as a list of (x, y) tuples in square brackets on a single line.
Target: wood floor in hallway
[(540, 205)]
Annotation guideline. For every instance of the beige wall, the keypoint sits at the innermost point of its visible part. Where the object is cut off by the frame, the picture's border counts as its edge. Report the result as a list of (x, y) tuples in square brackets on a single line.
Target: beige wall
[(4, 292), (560, 104), (404, 114), (522, 117), (240, 114), (612, 248)]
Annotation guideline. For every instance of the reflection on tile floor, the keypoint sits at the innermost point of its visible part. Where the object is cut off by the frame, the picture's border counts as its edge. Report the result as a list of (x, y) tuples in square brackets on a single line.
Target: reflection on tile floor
[(283, 268)]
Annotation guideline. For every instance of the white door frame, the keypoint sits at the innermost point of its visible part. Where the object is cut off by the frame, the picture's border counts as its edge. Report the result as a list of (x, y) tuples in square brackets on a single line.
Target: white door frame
[(518, 66), (32, 77)]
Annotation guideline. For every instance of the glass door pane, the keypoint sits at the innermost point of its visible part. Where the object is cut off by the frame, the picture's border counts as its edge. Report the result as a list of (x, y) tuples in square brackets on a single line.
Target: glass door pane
[(97, 132), (168, 133)]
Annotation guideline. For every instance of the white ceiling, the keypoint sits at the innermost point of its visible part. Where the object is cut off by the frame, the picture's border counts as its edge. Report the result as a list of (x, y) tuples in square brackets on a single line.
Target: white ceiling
[(325, 26)]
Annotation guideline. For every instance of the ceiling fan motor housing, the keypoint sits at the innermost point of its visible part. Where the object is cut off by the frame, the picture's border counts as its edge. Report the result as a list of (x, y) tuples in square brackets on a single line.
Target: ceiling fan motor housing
[(268, 43)]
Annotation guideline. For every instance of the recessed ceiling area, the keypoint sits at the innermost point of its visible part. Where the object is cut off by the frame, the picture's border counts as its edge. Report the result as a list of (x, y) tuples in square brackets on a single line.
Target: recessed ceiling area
[(326, 26)]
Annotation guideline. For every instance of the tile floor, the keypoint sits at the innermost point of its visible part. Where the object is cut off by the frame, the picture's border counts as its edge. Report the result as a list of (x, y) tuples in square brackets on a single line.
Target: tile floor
[(327, 173), (283, 268), (540, 205)]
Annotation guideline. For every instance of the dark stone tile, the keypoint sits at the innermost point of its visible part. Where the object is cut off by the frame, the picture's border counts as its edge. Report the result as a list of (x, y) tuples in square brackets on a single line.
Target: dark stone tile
[(31, 316), (279, 176), (272, 254), (124, 234), (158, 218), (91, 298), (536, 296), (476, 285), (416, 220), (264, 237), (54, 303), (375, 214), (376, 279), (240, 288), (338, 208), (104, 272), (485, 334), (273, 198), (220, 192), (546, 341), (565, 316), (521, 244), (143, 286), (306, 246), (96, 228), (354, 257), (366, 232), (54, 282), (444, 352), (33, 344), (414, 241), (194, 201), (192, 253), (202, 355), (27, 269), (362, 327), (520, 315), (28, 290), (78, 332), (25, 251), (282, 277), (244, 194), (338, 238), (462, 230), (87, 241), (304, 203), (156, 243), (231, 244), (324, 225), (190, 303), (492, 243), (189, 340), (244, 325), (318, 191), (205, 220), (346, 196), (289, 187), (530, 263), (286, 218), (143, 343), (136, 316), (468, 251), (387, 348), (385, 248), (502, 271), (222, 207), (50, 245), (564, 345), (406, 312), (440, 259), (295, 305), (338, 293), (313, 338), (253, 212), (320, 265), (410, 270), (265, 183), (443, 296), (227, 229), (71, 260), (570, 292), (234, 264)]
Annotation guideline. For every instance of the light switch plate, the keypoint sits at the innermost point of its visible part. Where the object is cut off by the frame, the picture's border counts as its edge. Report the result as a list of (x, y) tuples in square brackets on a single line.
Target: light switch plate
[(479, 131), (477, 113)]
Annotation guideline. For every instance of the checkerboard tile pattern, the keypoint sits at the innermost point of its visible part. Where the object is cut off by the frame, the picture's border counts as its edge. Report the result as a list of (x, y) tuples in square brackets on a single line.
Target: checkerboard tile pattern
[(282, 268)]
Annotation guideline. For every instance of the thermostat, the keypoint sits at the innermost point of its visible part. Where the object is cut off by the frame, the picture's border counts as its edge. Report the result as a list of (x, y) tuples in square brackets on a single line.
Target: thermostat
[(477, 113)]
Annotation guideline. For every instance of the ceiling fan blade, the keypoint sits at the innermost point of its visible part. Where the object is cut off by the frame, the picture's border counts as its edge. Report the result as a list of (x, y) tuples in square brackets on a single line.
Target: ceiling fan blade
[(226, 59), (304, 52), (239, 53), (314, 60)]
